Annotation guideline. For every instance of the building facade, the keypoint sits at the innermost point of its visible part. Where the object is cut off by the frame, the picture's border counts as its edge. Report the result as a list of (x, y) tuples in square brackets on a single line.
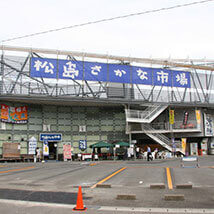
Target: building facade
[(169, 107)]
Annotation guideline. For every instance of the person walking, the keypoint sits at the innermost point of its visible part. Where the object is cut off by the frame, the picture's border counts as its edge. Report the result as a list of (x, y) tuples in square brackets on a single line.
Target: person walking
[(156, 153), (137, 152), (149, 154), (38, 157)]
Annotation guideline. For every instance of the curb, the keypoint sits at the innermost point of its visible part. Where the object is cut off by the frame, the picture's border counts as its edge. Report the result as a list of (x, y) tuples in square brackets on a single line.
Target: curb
[(174, 197), (112, 209), (103, 186), (157, 186), (126, 197), (184, 186)]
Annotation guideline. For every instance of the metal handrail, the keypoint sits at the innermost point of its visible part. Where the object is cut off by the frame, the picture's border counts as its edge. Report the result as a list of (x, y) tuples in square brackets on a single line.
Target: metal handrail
[(153, 109), (146, 114), (192, 124), (160, 136)]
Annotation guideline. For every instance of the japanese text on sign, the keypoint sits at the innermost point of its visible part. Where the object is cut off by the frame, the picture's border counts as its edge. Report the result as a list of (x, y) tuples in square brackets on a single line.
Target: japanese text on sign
[(94, 71), (14, 114)]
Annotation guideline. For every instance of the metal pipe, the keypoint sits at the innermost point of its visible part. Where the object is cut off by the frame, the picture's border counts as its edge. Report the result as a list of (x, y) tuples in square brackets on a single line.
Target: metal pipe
[(105, 56)]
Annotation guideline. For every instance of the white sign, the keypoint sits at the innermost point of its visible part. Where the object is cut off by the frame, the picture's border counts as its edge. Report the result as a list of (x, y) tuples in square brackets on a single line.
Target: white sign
[(45, 148), (208, 125), (82, 128), (189, 159), (134, 141), (32, 145), (87, 156)]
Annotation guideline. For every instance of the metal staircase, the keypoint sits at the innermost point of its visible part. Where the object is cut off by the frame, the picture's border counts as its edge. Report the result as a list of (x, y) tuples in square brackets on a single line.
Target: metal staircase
[(146, 116), (159, 138)]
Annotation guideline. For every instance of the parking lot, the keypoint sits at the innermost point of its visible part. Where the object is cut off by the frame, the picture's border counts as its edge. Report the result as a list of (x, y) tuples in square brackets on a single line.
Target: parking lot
[(113, 185)]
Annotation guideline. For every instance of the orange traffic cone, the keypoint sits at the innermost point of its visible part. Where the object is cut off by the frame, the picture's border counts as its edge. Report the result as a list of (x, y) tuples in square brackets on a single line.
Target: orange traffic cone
[(79, 205)]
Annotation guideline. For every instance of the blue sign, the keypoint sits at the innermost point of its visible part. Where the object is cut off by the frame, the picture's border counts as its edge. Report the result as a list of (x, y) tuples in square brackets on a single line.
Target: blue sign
[(69, 69), (181, 79), (141, 75), (82, 144), (162, 77), (50, 137), (119, 73), (46, 68), (95, 71)]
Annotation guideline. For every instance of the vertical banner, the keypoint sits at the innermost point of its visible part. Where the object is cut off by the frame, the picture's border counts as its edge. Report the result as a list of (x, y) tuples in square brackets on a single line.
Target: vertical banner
[(208, 125), (82, 145), (14, 114), (67, 151), (183, 144), (32, 146), (185, 119), (171, 116), (45, 148), (198, 116)]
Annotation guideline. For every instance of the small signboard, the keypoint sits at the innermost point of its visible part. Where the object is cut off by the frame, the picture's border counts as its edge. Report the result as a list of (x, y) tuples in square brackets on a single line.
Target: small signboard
[(45, 148), (193, 162), (32, 145), (82, 145), (67, 151), (18, 115), (50, 137), (11, 150)]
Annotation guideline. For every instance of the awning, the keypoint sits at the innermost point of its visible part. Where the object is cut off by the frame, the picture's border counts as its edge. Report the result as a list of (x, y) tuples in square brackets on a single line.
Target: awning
[(122, 144), (101, 144)]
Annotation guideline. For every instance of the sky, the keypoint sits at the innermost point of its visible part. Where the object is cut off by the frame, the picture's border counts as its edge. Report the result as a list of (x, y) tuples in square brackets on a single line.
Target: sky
[(185, 32)]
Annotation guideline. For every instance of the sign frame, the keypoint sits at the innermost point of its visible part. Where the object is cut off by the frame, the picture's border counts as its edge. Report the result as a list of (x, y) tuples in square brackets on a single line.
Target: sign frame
[(51, 139), (81, 143)]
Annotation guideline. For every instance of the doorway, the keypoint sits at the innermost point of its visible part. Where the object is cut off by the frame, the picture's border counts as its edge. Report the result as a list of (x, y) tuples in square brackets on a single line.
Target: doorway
[(52, 150)]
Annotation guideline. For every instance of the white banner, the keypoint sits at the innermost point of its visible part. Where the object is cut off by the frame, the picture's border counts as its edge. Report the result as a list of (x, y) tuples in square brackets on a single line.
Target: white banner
[(32, 145), (208, 125)]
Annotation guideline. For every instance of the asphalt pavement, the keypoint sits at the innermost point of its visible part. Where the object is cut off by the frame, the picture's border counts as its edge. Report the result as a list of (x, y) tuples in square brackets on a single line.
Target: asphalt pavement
[(53, 187)]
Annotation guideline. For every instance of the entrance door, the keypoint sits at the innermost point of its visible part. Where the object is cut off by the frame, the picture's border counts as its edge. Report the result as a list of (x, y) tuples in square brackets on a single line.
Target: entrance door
[(52, 150)]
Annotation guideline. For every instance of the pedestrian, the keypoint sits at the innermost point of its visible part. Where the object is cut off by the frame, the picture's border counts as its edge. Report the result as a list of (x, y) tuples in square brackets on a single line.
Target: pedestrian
[(156, 153), (149, 154), (137, 152), (129, 153), (34, 156), (96, 157), (38, 154)]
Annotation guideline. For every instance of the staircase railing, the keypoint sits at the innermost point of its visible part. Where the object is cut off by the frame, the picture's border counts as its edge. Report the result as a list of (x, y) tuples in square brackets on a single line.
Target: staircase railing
[(145, 114), (163, 126), (151, 133), (153, 109)]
